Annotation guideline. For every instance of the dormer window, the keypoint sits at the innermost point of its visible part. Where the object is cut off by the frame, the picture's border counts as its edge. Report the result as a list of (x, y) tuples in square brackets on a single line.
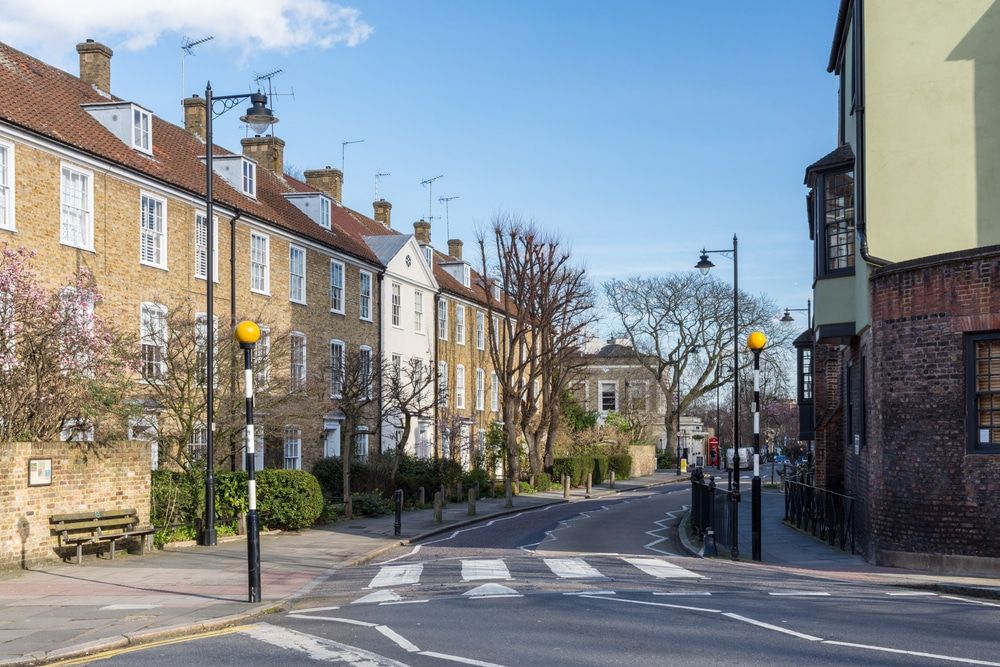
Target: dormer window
[(318, 207), (467, 276), (324, 212), (142, 132), (496, 290), (429, 255), (249, 178), (130, 122)]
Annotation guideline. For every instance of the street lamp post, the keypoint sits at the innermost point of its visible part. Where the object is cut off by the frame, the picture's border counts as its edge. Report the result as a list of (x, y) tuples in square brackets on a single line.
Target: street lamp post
[(756, 342), (787, 317), (259, 118), (705, 265), (248, 333)]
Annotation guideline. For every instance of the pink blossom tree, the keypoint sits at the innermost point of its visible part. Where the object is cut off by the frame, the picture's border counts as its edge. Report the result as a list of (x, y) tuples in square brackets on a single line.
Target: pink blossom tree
[(62, 366)]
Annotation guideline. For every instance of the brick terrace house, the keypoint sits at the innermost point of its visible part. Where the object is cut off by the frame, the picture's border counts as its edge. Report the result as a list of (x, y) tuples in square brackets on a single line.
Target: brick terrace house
[(904, 351), (92, 181)]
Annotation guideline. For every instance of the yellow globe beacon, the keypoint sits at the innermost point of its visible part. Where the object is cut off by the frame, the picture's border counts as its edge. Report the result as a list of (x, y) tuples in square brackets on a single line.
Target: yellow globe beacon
[(247, 332), (756, 341)]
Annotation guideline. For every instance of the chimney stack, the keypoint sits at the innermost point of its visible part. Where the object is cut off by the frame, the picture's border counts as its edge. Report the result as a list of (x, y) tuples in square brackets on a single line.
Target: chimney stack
[(422, 230), (95, 64), (194, 116), (327, 179), (455, 248), (268, 152), (383, 212)]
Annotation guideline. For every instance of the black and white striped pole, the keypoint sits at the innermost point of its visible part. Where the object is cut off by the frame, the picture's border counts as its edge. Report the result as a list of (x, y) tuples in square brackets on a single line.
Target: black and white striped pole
[(756, 342), (248, 333)]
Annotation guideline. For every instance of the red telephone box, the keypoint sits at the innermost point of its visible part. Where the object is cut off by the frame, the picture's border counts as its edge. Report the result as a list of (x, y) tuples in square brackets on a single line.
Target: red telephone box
[(714, 458)]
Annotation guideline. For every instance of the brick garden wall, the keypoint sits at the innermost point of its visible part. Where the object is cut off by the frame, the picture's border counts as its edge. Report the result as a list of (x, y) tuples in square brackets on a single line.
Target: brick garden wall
[(930, 495), (84, 478)]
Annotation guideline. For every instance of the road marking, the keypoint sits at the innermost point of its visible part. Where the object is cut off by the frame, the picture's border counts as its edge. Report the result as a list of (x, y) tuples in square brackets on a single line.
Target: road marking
[(378, 596), (591, 593), (653, 604), (762, 624), (572, 568), (662, 538), (126, 607), (661, 569), (904, 594), (477, 570), (107, 655), (311, 610), (397, 575), (410, 553), (318, 648), (455, 658), (981, 602), (683, 593), (813, 594), (383, 604), (936, 656), (492, 591), (401, 641), (334, 619)]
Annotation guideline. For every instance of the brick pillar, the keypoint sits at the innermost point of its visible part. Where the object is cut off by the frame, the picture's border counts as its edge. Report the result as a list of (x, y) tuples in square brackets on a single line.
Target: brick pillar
[(194, 116), (95, 64)]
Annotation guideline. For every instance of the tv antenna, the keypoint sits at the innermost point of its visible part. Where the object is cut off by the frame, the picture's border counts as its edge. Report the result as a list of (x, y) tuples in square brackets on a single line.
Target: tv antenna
[(187, 49), (447, 216), (429, 184), (268, 77), (378, 178), (343, 151)]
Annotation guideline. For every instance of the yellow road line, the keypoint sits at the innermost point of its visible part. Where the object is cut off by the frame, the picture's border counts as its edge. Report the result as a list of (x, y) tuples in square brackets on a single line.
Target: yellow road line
[(107, 655)]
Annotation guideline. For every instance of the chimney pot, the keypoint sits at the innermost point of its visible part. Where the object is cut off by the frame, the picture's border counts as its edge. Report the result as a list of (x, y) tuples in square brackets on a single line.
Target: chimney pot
[(328, 180), (422, 230), (95, 64), (455, 248), (268, 152), (383, 212), (194, 116)]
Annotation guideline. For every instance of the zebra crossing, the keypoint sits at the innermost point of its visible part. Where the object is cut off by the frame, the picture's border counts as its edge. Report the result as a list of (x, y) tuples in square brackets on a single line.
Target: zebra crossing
[(496, 569)]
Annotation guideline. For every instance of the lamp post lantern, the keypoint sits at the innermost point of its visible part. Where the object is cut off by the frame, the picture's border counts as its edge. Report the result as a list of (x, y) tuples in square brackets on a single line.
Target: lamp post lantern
[(259, 118), (247, 334), (705, 265), (756, 342), (787, 317)]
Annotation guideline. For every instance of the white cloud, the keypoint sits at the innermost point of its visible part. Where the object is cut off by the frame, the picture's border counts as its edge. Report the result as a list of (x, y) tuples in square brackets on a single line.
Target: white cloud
[(48, 26)]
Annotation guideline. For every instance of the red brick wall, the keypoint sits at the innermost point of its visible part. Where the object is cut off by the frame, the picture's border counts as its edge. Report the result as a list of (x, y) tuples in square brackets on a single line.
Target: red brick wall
[(929, 495), (828, 402), (84, 478)]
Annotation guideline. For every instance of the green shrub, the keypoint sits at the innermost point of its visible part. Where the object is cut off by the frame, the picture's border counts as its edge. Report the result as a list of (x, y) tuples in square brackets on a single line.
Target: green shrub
[(289, 499), (371, 504), (664, 459), (176, 498), (621, 464), (525, 487), (600, 468), (231, 494), (543, 482), (577, 467), (474, 477), (329, 474)]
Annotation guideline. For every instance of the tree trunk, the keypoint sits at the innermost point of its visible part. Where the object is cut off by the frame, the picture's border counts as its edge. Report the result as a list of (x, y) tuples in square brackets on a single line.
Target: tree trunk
[(550, 436), (400, 450)]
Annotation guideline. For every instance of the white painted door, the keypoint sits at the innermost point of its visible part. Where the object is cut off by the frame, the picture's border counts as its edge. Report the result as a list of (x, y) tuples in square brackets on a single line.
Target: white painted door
[(331, 444)]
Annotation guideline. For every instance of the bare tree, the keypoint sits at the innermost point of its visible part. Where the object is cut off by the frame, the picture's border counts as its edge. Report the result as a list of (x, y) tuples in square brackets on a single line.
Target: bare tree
[(407, 395), (680, 327)]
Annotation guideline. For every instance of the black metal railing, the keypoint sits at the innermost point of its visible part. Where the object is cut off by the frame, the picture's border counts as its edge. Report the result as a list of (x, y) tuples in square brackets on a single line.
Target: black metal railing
[(712, 510), (824, 514)]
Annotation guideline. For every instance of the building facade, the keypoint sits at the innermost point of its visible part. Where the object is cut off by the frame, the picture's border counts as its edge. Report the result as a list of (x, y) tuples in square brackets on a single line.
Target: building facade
[(898, 366)]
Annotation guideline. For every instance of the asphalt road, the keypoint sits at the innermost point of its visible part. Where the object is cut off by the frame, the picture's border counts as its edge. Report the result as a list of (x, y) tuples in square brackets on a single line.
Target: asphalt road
[(597, 583)]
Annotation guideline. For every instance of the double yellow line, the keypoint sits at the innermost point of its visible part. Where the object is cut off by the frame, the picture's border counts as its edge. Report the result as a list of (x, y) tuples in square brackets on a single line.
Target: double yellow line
[(107, 655)]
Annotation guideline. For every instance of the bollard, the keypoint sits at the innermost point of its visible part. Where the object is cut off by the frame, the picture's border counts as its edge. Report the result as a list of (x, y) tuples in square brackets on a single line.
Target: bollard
[(565, 480), (397, 528), (438, 509), (444, 495), (590, 482), (458, 494), (612, 479), (421, 497), (472, 502)]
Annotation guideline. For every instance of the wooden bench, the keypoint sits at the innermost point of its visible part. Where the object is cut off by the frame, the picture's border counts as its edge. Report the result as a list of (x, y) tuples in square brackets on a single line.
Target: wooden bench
[(112, 526)]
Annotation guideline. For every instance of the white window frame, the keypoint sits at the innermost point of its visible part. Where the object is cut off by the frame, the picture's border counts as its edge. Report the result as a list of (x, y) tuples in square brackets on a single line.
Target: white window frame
[(366, 369), (158, 237), (292, 441), (262, 359), (494, 391), (325, 213), (480, 330), (86, 233), (442, 316), (460, 387), (296, 282), (7, 187), (459, 324), (200, 247), (365, 295), (443, 383), (200, 339), (249, 178), (337, 291), (265, 265), (337, 367), (397, 305), (142, 137), (600, 396), (147, 338), (361, 443), (418, 311), (429, 256), (467, 275), (297, 367), (480, 389)]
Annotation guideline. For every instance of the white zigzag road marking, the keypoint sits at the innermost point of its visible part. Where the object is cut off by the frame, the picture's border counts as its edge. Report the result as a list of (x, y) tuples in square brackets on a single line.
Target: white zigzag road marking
[(661, 538)]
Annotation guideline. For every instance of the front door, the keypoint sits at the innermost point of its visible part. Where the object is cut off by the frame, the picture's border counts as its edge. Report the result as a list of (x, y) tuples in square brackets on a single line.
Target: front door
[(331, 442)]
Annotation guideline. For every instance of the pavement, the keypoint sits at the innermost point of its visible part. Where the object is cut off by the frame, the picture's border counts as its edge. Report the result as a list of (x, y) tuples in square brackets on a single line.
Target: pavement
[(58, 611)]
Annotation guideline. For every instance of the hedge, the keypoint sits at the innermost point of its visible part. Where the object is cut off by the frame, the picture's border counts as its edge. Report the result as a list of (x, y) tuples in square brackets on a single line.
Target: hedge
[(600, 468), (621, 464), (577, 467), (374, 476), (289, 499)]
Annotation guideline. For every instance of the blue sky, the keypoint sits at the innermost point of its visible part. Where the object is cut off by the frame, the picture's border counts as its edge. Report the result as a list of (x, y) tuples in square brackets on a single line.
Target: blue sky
[(639, 131)]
